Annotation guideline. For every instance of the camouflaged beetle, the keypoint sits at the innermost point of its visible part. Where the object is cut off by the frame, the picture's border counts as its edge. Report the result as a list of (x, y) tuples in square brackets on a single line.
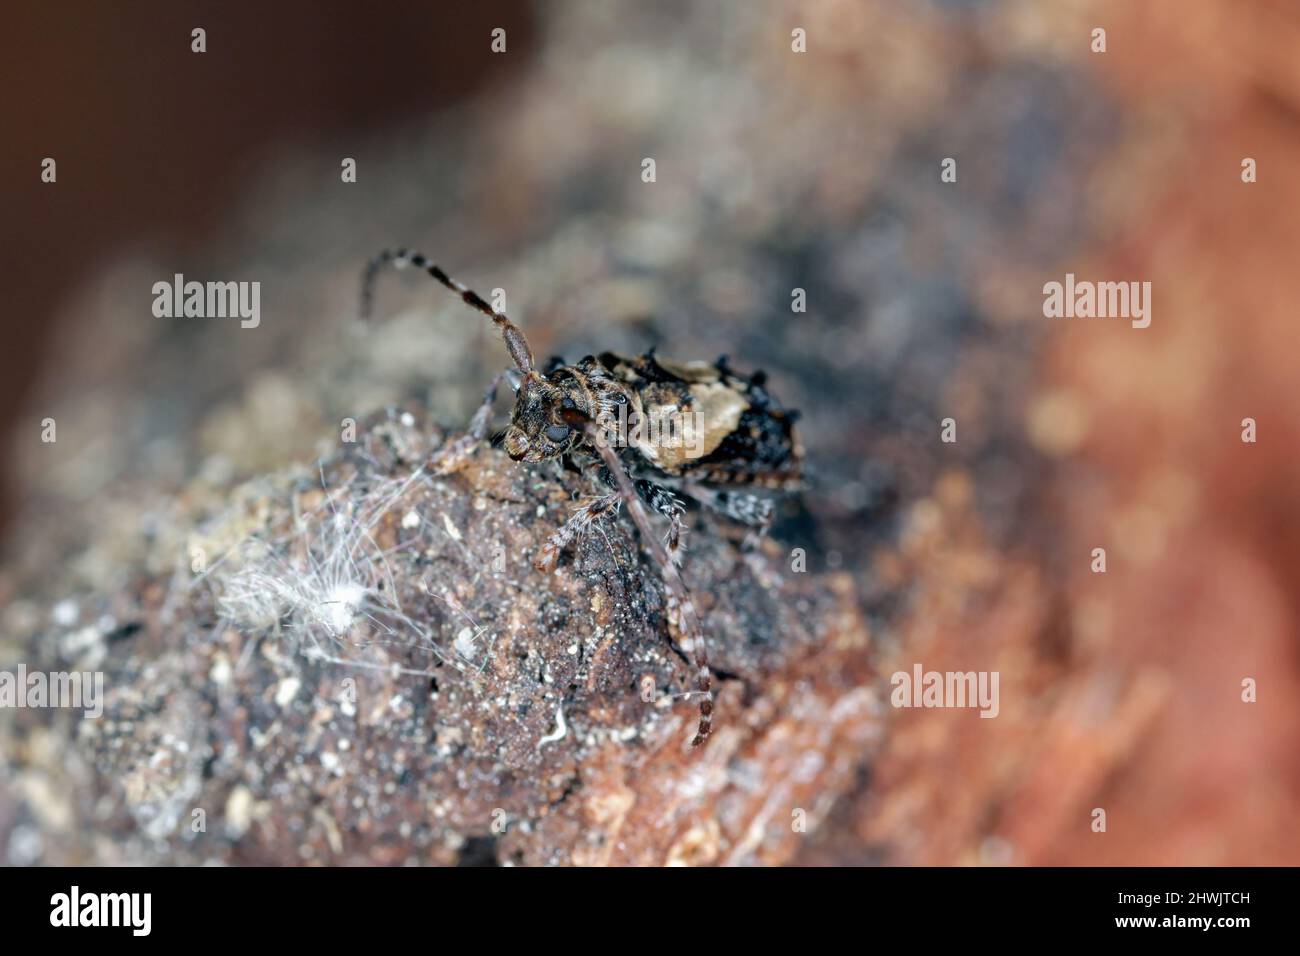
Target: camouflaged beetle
[(739, 438)]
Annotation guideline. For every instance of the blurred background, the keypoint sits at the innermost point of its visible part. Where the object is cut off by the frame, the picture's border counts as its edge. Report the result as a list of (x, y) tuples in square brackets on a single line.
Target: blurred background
[(775, 171)]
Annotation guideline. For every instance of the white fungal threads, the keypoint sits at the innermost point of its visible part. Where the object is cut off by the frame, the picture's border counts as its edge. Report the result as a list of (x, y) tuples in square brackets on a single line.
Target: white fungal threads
[(328, 587), (343, 604), (321, 588)]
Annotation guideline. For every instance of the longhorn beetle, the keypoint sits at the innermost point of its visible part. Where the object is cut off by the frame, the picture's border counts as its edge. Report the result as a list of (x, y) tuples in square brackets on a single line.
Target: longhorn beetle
[(743, 439)]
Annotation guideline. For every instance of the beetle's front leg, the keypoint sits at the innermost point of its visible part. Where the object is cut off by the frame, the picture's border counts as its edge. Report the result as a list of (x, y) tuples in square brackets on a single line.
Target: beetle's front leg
[(578, 522), (661, 501)]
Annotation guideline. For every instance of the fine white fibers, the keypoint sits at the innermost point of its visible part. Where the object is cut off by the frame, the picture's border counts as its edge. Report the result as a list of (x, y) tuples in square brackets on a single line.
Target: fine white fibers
[(329, 588), (343, 603), (321, 580)]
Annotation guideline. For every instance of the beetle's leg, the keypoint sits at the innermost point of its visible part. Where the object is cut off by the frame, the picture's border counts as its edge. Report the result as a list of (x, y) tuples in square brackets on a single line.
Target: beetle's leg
[(453, 454), (673, 538), (681, 608), (660, 500), (664, 502), (753, 511), (577, 523)]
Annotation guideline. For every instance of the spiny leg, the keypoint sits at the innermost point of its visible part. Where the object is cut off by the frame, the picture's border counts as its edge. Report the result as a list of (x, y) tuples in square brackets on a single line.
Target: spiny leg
[(516, 344), (678, 597), (657, 497), (753, 511), (662, 501), (578, 522), (673, 539)]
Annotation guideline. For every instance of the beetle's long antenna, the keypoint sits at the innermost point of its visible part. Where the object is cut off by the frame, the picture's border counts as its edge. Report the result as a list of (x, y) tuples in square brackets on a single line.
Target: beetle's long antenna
[(516, 344)]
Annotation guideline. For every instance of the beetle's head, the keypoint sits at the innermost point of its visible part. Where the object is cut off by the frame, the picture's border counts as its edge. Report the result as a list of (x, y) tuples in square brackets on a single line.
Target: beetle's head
[(537, 431)]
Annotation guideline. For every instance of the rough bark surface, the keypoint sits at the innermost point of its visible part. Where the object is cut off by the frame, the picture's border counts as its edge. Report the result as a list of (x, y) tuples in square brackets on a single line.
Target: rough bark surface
[(421, 693)]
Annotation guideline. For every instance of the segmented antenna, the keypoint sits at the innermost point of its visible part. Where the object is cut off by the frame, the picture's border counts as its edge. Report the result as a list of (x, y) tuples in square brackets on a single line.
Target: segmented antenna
[(516, 344)]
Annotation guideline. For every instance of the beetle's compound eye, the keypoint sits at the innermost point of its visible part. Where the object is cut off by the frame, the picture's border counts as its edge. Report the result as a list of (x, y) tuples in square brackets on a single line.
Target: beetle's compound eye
[(557, 433)]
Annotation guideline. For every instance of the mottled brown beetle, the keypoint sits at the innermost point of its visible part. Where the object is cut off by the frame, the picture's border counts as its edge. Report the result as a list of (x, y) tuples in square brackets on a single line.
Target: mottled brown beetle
[(743, 439)]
